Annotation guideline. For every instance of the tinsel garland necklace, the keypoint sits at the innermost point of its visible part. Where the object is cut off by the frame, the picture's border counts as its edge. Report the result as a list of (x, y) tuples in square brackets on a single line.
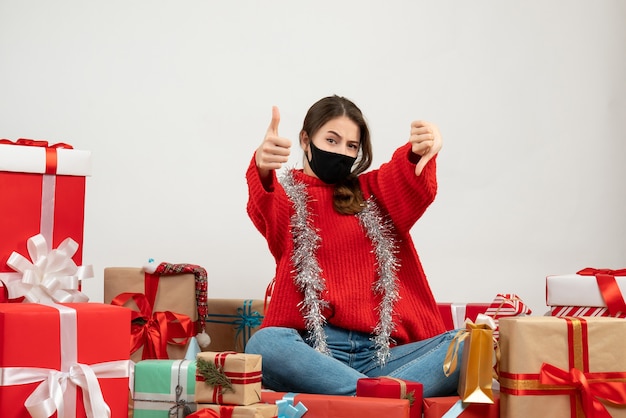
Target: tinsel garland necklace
[(310, 282), (308, 278)]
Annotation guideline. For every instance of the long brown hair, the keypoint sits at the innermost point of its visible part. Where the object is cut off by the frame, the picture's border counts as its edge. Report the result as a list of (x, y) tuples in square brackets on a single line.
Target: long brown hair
[(347, 197)]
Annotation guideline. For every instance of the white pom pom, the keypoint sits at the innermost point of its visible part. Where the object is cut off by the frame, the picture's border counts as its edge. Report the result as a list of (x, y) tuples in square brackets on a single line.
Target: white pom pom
[(151, 266), (203, 339)]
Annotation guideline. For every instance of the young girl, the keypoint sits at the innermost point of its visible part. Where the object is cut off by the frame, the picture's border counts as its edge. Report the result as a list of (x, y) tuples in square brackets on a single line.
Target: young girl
[(350, 298)]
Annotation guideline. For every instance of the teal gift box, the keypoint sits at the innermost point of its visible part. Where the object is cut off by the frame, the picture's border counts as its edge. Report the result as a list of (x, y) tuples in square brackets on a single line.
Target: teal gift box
[(164, 388)]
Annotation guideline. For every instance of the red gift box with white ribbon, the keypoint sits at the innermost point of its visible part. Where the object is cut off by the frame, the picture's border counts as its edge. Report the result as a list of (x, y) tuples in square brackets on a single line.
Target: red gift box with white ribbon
[(455, 314), (43, 192), (56, 360), (503, 305)]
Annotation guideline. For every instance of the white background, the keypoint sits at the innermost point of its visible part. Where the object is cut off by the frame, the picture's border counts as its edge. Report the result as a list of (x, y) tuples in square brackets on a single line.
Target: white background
[(173, 97)]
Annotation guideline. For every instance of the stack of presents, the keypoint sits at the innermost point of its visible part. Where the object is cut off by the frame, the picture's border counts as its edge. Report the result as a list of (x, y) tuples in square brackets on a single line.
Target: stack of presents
[(157, 346)]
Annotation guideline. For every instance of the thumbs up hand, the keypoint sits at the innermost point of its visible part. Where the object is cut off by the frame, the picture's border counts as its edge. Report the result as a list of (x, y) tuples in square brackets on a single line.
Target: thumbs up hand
[(274, 151)]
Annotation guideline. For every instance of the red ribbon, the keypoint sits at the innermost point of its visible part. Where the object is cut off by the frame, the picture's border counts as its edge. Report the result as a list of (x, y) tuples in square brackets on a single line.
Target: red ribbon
[(227, 411), (36, 143), (51, 150), (591, 386), (269, 291), (204, 413), (159, 328), (608, 287)]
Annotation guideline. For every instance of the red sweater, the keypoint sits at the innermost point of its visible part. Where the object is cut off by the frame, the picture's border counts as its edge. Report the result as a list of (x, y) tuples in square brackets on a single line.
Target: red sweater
[(346, 254)]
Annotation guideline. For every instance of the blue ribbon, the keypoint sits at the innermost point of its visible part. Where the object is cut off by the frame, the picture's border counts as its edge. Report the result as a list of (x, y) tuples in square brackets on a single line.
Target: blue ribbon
[(244, 322), (286, 408), (455, 410)]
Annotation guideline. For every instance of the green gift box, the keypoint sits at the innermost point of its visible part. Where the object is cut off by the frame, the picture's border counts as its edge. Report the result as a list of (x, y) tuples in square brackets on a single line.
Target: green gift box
[(164, 388)]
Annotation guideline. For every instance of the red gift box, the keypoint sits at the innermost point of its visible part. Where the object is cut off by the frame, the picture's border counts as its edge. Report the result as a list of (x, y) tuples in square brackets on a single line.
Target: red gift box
[(503, 305), (323, 406), (437, 407), (52, 353), (43, 192), (388, 387), (455, 314)]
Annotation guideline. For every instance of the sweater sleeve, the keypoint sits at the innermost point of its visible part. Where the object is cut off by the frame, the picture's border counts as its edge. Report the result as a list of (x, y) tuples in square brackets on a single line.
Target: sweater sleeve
[(266, 209), (399, 191)]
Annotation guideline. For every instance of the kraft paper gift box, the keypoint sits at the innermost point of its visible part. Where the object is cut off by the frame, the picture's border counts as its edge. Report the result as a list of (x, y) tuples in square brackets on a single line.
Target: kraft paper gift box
[(390, 387), (44, 345), (228, 378), (562, 367), (174, 303), (231, 322), (589, 292), (43, 192), (257, 410), (164, 388), (335, 406), (437, 407)]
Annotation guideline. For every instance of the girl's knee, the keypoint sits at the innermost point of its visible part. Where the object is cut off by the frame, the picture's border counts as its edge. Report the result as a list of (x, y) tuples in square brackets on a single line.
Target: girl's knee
[(269, 340)]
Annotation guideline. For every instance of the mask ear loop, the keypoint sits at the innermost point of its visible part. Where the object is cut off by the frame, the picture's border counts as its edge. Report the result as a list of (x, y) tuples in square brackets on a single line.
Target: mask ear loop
[(306, 148)]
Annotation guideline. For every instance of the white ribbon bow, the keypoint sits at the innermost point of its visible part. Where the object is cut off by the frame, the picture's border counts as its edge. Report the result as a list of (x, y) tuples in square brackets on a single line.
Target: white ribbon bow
[(51, 277), (482, 319)]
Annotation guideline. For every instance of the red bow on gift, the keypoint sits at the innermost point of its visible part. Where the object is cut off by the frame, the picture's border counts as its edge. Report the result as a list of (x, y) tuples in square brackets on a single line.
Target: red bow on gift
[(591, 386), (156, 329), (204, 413), (608, 287), (35, 143)]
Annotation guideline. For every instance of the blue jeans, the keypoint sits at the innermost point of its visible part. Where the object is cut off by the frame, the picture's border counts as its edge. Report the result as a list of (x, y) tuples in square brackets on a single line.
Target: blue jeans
[(290, 364)]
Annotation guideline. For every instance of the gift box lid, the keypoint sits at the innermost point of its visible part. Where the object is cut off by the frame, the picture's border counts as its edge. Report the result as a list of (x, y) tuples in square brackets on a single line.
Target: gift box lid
[(577, 290), (34, 159)]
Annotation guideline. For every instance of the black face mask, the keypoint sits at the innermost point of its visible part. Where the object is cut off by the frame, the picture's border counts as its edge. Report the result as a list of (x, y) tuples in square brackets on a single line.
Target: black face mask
[(330, 167)]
